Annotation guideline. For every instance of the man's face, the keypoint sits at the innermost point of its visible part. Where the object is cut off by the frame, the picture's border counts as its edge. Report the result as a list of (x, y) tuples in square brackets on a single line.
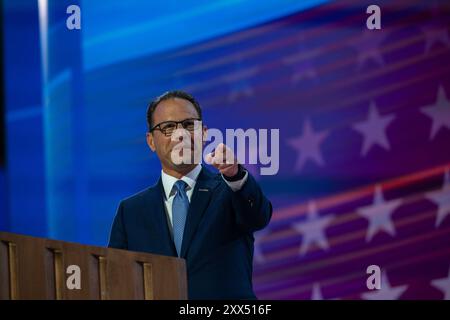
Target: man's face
[(175, 109)]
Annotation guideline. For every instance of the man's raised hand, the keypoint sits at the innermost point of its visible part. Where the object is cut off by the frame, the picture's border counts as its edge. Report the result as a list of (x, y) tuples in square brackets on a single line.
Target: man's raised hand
[(224, 160)]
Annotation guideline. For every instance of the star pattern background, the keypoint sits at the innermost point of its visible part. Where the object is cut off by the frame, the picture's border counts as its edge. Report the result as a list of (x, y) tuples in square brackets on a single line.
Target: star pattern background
[(367, 181), (363, 118)]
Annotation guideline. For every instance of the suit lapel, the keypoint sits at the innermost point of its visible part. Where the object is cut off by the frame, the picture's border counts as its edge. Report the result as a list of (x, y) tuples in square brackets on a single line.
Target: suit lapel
[(201, 197), (156, 213)]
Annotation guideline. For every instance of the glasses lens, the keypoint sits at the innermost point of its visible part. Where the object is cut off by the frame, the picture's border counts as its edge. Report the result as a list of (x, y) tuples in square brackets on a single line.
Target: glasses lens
[(168, 128), (190, 124)]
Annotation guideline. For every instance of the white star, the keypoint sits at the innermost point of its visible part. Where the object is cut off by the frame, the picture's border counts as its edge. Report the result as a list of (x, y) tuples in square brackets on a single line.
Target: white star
[(438, 112), (316, 292), (379, 214), (442, 199), (308, 146), (374, 129), (313, 229), (386, 292), (443, 284), (368, 47), (435, 34)]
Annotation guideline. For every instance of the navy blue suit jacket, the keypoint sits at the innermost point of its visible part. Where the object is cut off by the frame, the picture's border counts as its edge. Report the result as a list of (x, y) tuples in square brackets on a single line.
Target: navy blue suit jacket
[(218, 236)]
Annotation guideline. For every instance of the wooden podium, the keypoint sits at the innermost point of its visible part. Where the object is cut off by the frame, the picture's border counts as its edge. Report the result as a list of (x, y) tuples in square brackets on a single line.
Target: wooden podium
[(37, 268)]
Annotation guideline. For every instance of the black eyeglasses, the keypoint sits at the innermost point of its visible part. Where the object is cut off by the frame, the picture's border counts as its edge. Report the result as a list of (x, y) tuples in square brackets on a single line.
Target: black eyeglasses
[(168, 127)]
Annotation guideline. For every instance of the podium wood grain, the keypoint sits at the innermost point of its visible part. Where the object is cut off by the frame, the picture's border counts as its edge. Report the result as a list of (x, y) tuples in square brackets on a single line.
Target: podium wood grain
[(35, 268)]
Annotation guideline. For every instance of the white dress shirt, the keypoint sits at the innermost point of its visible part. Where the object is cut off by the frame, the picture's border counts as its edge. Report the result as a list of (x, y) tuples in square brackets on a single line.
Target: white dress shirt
[(168, 182)]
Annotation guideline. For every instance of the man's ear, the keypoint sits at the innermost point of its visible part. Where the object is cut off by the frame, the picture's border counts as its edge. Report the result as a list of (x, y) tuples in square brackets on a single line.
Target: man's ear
[(150, 141)]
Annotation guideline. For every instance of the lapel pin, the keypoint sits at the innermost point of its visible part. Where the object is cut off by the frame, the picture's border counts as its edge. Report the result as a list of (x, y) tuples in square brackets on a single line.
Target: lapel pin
[(200, 189)]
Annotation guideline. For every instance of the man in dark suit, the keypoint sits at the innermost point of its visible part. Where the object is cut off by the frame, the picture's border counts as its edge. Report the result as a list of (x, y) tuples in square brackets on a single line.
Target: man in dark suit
[(206, 218)]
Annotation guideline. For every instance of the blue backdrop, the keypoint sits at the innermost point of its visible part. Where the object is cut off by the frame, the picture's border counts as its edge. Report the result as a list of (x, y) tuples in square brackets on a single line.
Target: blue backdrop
[(76, 101), (363, 116)]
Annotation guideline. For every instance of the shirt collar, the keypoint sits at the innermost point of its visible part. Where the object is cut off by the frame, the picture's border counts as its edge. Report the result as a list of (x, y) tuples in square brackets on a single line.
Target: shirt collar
[(190, 178)]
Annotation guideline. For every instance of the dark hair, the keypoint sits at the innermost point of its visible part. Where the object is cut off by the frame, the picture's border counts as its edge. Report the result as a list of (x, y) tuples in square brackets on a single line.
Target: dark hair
[(170, 95)]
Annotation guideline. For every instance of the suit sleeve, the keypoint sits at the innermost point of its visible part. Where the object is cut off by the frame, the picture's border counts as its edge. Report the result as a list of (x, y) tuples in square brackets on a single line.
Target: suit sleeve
[(252, 209), (118, 237)]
